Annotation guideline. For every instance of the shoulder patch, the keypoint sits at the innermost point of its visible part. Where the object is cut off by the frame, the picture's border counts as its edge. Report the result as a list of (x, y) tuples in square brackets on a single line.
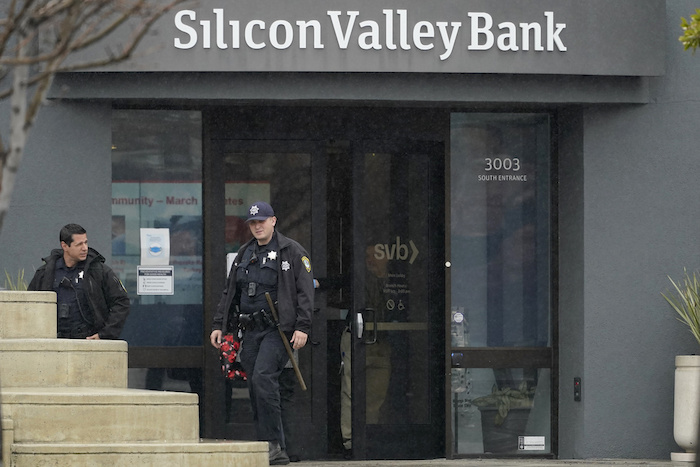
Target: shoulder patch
[(307, 263)]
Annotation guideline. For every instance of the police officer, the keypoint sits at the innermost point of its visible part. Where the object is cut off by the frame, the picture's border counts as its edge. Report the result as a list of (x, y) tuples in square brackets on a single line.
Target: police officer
[(91, 300), (268, 263)]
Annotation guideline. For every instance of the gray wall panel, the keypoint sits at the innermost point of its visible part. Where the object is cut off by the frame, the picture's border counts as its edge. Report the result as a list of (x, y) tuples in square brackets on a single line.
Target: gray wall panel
[(571, 276), (641, 223), (380, 88), (65, 177)]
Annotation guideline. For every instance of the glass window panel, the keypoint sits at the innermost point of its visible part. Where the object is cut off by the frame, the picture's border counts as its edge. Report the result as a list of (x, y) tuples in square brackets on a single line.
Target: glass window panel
[(156, 183), (501, 411), (500, 229), (396, 233), (281, 178), (276, 173)]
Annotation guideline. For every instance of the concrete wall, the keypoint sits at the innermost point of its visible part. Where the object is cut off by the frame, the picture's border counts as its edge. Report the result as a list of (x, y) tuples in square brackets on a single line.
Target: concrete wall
[(640, 221)]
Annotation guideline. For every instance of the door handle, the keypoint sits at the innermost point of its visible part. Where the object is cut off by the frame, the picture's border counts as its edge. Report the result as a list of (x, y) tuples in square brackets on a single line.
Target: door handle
[(372, 316), (359, 325)]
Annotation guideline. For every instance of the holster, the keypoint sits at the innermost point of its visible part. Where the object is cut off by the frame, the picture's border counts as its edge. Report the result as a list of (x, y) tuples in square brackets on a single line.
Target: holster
[(232, 324), (259, 320)]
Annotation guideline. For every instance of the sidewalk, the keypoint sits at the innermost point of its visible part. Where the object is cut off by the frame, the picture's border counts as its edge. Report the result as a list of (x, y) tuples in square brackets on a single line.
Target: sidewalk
[(494, 463)]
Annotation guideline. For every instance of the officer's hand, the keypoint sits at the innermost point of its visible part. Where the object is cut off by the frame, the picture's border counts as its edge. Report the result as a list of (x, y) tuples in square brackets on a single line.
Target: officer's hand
[(94, 337), (215, 338), (298, 339)]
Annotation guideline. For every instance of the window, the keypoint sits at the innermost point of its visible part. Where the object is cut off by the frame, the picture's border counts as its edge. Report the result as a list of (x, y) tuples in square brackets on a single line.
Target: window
[(157, 183), (500, 283)]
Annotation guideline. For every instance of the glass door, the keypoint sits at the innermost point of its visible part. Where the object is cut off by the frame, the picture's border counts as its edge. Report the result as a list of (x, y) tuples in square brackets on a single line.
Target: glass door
[(397, 301), (501, 343), (288, 175)]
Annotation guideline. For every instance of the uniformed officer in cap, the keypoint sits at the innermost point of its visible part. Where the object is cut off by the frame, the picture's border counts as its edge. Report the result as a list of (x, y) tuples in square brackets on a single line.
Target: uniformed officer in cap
[(269, 262)]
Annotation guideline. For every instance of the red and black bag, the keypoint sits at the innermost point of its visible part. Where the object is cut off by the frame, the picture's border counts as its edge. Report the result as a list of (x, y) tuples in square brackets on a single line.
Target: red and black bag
[(228, 352)]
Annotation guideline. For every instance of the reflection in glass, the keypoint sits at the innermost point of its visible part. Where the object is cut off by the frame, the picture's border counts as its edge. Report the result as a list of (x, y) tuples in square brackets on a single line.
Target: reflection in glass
[(281, 178), (395, 250), (281, 175), (156, 183), (500, 228), (500, 272), (166, 379), (501, 411)]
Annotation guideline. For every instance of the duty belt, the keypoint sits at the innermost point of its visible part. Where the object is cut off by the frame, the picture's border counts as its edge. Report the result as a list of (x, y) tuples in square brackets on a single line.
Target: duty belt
[(257, 320)]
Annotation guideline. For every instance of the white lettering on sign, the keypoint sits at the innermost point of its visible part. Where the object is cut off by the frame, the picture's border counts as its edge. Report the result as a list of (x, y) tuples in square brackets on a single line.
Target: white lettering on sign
[(280, 35), (397, 30), (482, 37)]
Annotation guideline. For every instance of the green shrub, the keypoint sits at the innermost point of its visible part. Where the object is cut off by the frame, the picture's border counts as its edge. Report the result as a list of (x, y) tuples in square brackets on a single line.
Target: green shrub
[(15, 283)]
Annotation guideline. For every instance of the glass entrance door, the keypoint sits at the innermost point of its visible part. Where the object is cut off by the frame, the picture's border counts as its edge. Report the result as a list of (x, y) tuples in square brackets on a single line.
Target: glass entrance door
[(396, 319), (500, 236), (285, 174), (369, 212)]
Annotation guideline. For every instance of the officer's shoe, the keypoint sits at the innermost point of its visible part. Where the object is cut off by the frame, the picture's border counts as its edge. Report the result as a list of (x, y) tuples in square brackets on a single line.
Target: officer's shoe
[(277, 455)]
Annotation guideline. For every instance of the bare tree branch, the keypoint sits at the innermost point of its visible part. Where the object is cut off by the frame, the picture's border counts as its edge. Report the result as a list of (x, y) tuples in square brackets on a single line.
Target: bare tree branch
[(39, 38)]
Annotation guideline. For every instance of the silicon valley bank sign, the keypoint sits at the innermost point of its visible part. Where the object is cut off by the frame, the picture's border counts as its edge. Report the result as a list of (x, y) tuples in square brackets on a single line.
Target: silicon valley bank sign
[(592, 37), (369, 34)]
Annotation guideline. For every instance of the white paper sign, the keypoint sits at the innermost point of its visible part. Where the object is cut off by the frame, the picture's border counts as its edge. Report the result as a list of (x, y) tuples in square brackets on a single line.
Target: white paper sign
[(230, 258), (155, 247), (155, 280)]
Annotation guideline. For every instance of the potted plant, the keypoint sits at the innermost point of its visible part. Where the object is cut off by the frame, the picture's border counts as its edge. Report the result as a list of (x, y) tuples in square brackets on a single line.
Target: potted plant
[(15, 284), (504, 415), (684, 298)]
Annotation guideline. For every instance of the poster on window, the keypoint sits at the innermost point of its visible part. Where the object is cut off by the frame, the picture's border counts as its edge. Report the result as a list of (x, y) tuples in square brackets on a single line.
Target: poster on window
[(159, 223), (177, 207)]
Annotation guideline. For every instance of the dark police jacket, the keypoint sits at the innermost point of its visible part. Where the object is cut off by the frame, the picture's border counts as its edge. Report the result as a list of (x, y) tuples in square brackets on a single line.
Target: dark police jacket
[(103, 290), (295, 288)]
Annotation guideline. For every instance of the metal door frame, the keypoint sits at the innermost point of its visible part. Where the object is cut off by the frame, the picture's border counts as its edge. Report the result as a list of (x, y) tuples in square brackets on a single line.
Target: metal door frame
[(310, 426)]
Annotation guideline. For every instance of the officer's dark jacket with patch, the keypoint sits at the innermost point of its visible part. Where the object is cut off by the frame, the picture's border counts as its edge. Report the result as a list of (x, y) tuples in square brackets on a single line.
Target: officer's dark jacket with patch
[(295, 288), (108, 300)]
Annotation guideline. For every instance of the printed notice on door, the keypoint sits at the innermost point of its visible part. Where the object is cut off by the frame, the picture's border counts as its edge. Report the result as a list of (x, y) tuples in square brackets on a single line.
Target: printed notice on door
[(155, 280)]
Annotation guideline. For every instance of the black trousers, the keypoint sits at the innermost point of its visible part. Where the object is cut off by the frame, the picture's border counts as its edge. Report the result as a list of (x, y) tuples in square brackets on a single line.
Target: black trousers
[(80, 331), (288, 382), (263, 357)]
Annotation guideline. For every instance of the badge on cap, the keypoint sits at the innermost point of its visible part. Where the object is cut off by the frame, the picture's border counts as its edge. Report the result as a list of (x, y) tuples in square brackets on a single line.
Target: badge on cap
[(254, 209)]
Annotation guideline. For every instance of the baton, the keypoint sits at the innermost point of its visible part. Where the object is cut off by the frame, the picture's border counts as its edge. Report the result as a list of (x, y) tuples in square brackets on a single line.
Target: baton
[(286, 342)]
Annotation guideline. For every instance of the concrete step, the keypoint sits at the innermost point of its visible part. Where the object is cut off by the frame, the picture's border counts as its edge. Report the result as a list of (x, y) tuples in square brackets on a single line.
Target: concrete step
[(7, 440), (27, 315), (229, 453), (100, 415), (63, 362), (66, 402)]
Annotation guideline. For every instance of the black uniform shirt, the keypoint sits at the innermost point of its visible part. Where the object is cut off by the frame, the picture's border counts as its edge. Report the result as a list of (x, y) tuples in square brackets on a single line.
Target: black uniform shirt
[(257, 274), (68, 285)]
